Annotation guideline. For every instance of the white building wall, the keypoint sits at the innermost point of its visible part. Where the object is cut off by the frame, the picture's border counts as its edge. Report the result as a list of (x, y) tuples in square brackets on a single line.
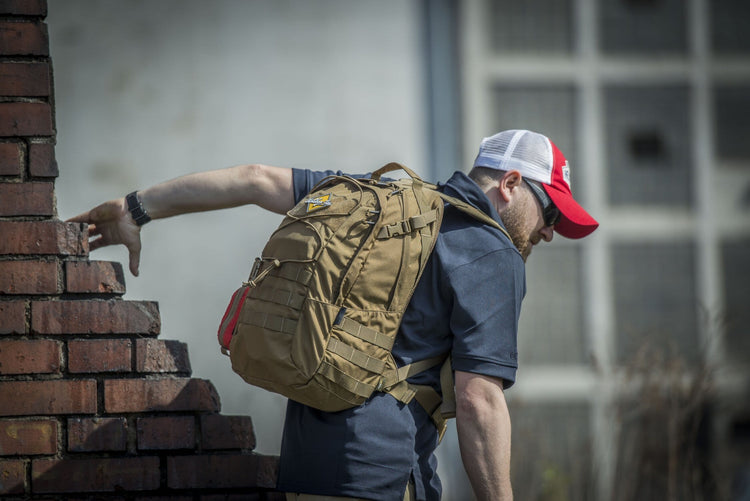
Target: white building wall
[(149, 90)]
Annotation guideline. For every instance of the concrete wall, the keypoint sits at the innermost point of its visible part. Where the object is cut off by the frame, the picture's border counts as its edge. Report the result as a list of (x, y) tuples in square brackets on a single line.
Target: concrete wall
[(150, 90)]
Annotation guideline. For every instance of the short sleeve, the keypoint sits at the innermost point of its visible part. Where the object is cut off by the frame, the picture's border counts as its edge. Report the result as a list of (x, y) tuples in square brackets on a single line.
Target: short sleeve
[(487, 295)]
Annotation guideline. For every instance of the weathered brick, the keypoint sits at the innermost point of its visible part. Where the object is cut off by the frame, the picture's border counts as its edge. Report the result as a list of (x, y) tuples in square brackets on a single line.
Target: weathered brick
[(43, 238), (23, 7), (145, 395), (29, 356), (28, 277), (25, 119), (227, 432), (27, 398), (166, 432), (97, 434), (157, 355), (12, 476), (94, 475), (11, 163), (13, 317), (25, 79), (102, 277), (95, 317), (212, 471), (268, 471), (23, 39), (27, 199), (99, 355), (27, 437), (42, 161)]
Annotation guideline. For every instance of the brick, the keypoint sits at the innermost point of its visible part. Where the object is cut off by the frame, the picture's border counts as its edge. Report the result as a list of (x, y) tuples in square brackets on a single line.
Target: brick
[(25, 119), (44, 398), (95, 317), (29, 356), (43, 238), (101, 277), (13, 317), (227, 432), (27, 437), (23, 39), (28, 277), (146, 395), (25, 79), (166, 432), (12, 476), (268, 471), (212, 471), (27, 199), (156, 355), (42, 161), (99, 355), (97, 434), (24, 7), (94, 475), (11, 163)]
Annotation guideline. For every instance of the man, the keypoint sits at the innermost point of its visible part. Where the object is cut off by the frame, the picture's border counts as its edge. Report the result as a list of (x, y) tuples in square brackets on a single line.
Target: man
[(467, 303)]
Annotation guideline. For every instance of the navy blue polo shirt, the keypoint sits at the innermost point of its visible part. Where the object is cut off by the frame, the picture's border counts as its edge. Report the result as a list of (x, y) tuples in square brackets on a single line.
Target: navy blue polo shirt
[(467, 302)]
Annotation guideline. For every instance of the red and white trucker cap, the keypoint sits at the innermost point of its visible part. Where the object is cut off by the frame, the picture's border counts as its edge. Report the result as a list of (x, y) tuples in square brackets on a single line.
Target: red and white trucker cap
[(536, 157)]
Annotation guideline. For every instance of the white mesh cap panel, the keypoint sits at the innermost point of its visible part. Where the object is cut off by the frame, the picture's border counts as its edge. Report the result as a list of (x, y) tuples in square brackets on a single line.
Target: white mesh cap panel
[(528, 152)]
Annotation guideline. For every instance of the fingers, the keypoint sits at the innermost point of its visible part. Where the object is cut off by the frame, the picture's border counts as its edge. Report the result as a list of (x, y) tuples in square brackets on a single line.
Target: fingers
[(135, 261), (80, 218), (93, 230), (97, 244)]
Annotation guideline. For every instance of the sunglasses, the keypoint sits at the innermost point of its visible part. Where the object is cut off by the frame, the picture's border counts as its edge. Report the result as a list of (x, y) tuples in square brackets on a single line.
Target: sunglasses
[(550, 212)]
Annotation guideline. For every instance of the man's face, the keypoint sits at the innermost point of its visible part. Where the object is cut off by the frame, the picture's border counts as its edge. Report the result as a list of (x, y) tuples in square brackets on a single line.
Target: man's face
[(525, 223)]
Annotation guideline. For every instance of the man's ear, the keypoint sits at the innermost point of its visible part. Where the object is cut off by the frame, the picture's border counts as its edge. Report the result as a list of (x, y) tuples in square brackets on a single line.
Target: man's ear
[(509, 182)]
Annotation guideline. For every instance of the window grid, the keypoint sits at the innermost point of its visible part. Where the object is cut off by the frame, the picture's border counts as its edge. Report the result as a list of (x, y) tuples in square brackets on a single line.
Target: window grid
[(590, 70)]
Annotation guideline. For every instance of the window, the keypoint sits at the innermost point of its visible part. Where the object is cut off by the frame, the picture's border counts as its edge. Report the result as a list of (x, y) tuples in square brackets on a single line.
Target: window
[(649, 158), (643, 27)]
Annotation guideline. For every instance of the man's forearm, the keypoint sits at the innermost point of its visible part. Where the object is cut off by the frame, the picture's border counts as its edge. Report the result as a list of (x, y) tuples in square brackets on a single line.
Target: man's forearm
[(268, 187), (484, 429)]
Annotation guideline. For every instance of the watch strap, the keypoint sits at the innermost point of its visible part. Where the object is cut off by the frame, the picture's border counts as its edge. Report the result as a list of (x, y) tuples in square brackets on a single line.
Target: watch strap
[(139, 214)]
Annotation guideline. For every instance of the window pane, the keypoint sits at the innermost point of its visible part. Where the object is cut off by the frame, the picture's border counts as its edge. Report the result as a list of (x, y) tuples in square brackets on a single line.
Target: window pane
[(648, 146), (530, 26), (655, 301), (736, 271), (729, 26), (647, 27), (550, 330), (732, 122)]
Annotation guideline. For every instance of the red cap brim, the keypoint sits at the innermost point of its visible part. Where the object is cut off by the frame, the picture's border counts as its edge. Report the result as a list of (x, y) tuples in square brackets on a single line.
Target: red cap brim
[(574, 222)]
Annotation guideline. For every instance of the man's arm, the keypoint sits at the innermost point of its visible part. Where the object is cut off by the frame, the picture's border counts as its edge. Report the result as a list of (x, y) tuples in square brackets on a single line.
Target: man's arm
[(262, 185), (483, 425)]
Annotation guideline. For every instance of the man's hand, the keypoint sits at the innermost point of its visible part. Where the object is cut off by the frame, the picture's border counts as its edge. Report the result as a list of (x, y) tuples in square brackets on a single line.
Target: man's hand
[(114, 225)]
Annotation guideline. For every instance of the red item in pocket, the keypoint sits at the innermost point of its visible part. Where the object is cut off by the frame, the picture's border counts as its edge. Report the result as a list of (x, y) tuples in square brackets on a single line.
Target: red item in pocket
[(229, 321)]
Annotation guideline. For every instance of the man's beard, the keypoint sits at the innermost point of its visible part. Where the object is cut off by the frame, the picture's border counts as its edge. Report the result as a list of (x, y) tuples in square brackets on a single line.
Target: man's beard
[(513, 219)]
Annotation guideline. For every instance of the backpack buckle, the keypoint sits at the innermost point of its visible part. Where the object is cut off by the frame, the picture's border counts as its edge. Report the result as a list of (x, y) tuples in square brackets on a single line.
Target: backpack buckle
[(380, 385)]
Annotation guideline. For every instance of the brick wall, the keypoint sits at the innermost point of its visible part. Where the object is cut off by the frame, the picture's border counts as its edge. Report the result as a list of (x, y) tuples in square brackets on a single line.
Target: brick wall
[(92, 403)]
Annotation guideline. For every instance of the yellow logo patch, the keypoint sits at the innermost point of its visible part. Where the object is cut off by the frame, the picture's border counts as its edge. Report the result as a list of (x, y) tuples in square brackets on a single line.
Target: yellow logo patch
[(320, 202)]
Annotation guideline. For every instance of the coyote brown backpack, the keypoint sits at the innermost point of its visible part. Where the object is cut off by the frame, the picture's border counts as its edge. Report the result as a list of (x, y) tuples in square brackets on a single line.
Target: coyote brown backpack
[(318, 316)]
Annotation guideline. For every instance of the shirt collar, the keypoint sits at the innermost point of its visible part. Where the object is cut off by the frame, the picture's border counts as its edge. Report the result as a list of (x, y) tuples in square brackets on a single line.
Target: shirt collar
[(464, 188)]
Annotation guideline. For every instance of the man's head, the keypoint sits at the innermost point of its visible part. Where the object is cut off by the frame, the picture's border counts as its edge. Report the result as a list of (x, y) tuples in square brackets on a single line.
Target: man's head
[(528, 180)]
